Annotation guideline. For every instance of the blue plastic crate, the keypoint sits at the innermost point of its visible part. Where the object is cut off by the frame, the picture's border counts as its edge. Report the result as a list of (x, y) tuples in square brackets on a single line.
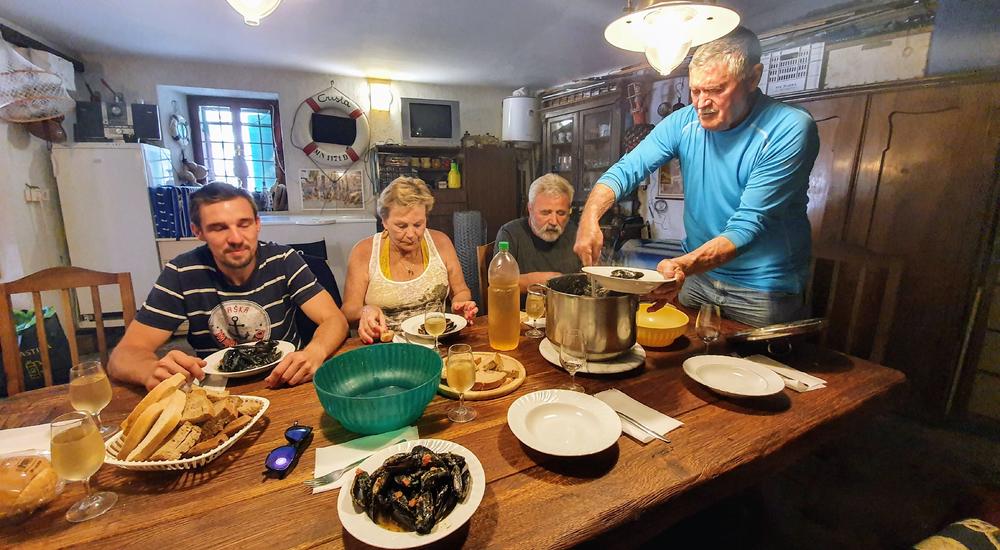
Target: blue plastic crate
[(165, 203), (184, 209)]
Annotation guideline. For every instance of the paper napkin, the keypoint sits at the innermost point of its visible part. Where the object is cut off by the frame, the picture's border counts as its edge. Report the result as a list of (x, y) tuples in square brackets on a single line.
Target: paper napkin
[(793, 379), (654, 420), (23, 439), (212, 382), (401, 338), (335, 457)]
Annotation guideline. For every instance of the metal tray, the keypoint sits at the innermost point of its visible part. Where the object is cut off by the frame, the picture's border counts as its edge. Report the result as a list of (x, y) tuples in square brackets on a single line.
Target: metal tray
[(772, 332)]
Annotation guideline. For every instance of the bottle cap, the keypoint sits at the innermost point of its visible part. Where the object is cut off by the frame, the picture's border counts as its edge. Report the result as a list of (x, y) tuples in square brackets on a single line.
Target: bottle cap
[(504, 246)]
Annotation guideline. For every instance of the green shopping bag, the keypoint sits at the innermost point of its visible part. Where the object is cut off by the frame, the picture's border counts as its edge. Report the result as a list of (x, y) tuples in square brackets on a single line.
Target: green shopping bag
[(31, 356)]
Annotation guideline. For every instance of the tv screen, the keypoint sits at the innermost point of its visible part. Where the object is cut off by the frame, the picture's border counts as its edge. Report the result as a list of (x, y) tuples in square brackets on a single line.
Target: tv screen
[(428, 120), (337, 130)]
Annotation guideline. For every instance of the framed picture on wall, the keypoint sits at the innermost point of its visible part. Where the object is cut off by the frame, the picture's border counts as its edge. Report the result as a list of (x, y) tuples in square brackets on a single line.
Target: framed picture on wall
[(669, 183), (332, 190)]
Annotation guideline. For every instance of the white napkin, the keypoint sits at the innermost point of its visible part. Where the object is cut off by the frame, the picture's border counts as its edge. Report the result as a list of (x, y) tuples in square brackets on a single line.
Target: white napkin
[(335, 457), (401, 338), (652, 419), (212, 382), (23, 439), (796, 379)]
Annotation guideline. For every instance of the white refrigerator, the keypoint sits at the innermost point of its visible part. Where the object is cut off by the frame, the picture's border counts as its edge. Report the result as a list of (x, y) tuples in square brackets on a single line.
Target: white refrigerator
[(104, 196)]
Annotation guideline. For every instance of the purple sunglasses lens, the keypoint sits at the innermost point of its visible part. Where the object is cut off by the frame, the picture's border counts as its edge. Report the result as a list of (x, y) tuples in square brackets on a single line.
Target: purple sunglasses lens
[(298, 433), (281, 458)]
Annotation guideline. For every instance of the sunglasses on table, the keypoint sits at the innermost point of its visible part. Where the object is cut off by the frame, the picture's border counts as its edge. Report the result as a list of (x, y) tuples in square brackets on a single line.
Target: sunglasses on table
[(281, 460)]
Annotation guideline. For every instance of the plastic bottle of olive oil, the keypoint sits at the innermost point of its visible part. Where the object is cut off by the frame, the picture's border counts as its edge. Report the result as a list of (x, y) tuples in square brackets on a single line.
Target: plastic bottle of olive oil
[(454, 177), (504, 301)]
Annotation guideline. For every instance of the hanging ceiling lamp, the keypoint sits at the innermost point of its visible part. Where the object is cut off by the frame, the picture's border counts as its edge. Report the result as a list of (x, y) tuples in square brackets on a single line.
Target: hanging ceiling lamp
[(665, 31), (254, 10)]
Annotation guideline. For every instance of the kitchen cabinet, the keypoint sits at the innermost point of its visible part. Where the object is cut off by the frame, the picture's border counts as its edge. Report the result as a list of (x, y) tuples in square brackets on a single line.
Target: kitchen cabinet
[(581, 141), (912, 171)]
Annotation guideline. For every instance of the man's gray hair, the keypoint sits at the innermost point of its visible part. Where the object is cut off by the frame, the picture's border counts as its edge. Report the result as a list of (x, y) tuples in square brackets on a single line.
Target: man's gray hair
[(550, 184), (739, 51)]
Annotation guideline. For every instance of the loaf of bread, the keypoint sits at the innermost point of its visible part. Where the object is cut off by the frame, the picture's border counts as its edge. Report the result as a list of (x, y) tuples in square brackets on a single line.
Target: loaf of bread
[(26, 483)]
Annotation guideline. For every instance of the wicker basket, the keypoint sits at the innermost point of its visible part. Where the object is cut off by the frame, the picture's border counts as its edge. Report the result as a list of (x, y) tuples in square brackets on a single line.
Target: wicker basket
[(114, 444)]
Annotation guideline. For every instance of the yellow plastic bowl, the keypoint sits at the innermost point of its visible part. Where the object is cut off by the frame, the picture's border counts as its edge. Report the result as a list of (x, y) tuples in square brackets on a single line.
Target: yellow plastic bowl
[(659, 329)]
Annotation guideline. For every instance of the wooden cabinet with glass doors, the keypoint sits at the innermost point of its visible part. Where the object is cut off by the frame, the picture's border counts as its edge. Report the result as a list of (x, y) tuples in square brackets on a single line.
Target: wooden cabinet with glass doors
[(582, 141)]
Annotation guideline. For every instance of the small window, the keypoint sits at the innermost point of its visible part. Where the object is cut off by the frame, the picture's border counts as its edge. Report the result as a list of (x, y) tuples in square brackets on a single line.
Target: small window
[(226, 127)]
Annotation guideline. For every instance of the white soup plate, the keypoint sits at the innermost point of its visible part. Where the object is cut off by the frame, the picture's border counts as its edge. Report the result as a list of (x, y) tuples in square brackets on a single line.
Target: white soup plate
[(564, 423), (733, 376), (644, 285), (212, 361), (412, 326)]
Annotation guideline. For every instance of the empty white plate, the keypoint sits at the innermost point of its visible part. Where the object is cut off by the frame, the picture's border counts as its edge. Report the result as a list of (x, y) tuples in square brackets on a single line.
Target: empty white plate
[(564, 423), (733, 376), (212, 361), (643, 285)]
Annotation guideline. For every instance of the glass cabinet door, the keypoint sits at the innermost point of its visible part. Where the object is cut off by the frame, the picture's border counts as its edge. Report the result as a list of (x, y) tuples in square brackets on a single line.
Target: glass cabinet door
[(598, 145), (560, 136)]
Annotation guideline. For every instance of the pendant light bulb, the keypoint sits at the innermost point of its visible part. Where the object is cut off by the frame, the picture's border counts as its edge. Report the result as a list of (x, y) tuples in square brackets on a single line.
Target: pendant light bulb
[(254, 10)]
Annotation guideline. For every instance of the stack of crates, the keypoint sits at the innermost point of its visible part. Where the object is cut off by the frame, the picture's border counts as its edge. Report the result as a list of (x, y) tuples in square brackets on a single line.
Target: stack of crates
[(169, 204)]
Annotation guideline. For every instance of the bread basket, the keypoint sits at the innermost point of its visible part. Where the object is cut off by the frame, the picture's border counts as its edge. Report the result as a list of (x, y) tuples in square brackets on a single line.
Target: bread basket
[(113, 445)]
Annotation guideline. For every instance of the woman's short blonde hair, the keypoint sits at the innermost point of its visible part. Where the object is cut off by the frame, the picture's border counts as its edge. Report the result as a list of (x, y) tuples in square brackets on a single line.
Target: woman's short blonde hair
[(405, 192)]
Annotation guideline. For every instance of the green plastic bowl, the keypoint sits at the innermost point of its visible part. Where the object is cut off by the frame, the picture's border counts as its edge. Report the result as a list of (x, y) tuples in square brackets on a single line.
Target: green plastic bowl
[(378, 388)]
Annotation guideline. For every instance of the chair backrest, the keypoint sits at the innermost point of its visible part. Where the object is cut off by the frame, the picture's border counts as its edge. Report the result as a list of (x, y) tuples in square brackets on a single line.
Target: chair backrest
[(484, 254), (62, 279), (856, 289)]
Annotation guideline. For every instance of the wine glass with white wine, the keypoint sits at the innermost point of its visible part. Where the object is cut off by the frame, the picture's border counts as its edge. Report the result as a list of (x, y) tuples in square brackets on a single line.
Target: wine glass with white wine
[(534, 309), (572, 356), (77, 454), (435, 321), (709, 324), (461, 376), (90, 391)]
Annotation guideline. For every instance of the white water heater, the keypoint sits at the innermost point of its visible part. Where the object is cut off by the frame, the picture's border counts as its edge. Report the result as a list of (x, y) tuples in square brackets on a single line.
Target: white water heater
[(520, 119)]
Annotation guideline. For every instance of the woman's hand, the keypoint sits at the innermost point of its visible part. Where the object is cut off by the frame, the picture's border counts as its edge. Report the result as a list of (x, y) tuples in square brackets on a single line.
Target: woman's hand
[(467, 309), (371, 324)]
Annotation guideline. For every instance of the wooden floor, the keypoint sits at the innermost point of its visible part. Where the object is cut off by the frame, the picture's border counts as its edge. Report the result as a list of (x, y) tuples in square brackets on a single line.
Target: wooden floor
[(888, 486)]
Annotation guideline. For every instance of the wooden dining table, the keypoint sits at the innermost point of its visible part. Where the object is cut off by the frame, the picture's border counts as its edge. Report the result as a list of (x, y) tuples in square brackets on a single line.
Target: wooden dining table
[(619, 497)]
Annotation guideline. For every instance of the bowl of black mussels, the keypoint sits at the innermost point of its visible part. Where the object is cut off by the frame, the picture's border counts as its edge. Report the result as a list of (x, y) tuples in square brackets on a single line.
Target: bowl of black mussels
[(247, 359)]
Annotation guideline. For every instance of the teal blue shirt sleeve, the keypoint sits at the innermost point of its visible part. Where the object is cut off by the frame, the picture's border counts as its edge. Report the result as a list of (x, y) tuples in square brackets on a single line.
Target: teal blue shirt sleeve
[(653, 151), (775, 183)]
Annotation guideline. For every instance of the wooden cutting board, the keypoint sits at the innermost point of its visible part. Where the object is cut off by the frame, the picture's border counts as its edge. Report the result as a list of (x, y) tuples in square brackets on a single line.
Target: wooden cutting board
[(508, 386)]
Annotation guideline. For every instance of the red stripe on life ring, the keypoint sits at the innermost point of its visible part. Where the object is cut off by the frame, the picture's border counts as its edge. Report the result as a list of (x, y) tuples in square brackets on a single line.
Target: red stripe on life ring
[(309, 149), (312, 104), (355, 114), (354, 156)]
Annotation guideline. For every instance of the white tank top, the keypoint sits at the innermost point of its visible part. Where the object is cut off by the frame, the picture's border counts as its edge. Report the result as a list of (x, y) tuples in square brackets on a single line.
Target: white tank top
[(400, 300)]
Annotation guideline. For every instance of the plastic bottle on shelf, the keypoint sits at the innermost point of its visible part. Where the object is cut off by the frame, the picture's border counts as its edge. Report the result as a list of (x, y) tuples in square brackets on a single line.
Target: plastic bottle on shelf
[(504, 300), (454, 177)]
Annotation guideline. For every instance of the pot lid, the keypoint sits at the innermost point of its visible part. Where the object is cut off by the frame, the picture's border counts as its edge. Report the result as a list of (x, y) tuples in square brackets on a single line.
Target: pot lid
[(782, 330)]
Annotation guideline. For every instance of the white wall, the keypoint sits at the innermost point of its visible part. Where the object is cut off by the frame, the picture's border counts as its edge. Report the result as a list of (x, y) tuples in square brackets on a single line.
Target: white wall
[(138, 78)]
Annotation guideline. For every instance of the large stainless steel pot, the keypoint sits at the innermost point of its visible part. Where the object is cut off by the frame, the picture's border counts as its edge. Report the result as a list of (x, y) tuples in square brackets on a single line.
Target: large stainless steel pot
[(607, 322)]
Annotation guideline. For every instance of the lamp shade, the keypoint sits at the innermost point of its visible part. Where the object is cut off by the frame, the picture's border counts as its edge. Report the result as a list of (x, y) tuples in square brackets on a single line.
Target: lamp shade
[(665, 31), (254, 10)]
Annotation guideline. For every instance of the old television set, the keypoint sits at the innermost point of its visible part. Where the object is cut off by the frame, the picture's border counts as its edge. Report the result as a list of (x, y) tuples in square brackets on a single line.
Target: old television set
[(430, 122)]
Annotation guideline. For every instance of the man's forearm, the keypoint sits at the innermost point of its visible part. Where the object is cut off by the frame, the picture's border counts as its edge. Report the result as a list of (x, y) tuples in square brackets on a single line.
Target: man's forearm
[(329, 335), (708, 256), (131, 365), (600, 200)]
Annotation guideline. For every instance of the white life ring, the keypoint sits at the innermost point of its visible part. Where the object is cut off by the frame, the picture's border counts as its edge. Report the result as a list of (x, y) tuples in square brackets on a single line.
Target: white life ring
[(328, 153)]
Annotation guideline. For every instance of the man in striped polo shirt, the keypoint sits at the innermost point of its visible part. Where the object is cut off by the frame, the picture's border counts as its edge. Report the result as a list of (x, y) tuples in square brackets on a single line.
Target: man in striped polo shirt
[(231, 290)]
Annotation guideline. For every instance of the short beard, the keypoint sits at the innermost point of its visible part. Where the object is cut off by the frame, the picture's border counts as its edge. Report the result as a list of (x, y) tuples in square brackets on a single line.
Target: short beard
[(241, 265), (548, 234)]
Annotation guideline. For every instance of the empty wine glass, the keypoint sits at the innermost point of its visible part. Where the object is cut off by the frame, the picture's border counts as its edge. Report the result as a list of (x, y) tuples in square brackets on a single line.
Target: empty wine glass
[(435, 321), (90, 391), (572, 356), (709, 324), (77, 454), (461, 376), (534, 308)]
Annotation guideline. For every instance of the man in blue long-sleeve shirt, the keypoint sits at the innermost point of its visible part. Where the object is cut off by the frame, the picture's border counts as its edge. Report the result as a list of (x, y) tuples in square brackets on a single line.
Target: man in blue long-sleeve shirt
[(745, 159)]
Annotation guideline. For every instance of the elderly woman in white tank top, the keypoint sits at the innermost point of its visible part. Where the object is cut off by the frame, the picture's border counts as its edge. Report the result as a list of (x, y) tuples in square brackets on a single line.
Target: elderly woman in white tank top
[(396, 274)]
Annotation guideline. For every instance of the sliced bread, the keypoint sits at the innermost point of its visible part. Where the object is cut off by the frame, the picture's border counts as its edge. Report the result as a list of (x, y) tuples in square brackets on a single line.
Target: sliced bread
[(160, 392), (162, 429), (184, 437)]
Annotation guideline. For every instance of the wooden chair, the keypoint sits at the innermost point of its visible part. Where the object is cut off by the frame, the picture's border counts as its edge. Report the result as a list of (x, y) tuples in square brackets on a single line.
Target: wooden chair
[(484, 254), (856, 289), (61, 279)]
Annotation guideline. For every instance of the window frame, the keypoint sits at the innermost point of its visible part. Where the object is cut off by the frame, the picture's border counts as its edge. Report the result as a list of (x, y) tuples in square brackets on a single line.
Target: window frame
[(235, 104)]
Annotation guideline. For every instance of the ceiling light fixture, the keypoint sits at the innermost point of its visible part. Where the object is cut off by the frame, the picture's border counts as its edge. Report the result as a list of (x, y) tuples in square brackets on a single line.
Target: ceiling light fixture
[(254, 10), (665, 31)]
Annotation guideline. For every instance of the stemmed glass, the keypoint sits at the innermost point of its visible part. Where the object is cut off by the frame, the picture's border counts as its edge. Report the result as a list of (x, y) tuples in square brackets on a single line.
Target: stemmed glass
[(534, 308), (461, 377), (572, 356), (90, 391), (77, 454), (709, 324), (435, 321)]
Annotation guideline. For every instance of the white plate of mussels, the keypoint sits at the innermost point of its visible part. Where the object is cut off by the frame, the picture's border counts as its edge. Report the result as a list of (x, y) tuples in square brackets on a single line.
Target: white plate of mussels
[(449, 509), (250, 360)]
